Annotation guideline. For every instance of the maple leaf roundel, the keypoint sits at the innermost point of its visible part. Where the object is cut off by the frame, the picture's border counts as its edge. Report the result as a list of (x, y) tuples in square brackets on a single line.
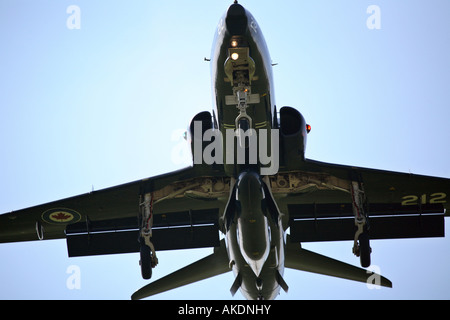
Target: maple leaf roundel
[(61, 216)]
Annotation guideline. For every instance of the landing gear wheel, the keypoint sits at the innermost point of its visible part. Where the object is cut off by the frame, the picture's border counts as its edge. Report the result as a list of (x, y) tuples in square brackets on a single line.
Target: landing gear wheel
[(146, 260), (364, 249)]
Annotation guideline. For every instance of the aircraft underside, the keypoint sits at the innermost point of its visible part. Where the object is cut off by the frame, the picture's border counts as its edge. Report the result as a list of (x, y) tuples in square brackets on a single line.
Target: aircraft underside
[(251, 194)]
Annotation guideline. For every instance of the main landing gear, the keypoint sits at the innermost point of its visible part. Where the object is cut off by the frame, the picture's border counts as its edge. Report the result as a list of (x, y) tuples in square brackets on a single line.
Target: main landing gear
[(361, 245), (148, 259)]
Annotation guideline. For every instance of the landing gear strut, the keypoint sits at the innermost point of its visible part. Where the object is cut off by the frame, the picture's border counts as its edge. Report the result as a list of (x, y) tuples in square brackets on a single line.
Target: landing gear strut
[(361, 245), (148, 259)]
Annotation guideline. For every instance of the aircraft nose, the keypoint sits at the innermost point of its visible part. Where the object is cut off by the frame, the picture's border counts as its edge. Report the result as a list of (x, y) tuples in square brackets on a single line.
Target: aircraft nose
[(236, 20)]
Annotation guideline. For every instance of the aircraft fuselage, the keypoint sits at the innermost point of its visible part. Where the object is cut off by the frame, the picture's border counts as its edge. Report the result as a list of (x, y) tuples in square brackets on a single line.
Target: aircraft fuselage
[(244, 99)]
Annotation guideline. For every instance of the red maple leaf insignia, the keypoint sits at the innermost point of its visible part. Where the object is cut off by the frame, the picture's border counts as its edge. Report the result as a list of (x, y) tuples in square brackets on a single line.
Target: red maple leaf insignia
[(60, 216)]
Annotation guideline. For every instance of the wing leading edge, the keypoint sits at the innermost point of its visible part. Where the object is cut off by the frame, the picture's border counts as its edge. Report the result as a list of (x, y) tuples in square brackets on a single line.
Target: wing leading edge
[(106, 221), (398, 205)]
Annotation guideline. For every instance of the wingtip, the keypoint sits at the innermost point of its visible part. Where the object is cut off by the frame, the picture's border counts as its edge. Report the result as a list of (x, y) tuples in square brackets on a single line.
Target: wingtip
[(378, 280), (386, 282), (136, 296)]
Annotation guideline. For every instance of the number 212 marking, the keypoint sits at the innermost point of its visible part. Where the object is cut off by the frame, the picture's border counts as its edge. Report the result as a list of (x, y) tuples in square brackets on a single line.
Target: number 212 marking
[(433, 198)]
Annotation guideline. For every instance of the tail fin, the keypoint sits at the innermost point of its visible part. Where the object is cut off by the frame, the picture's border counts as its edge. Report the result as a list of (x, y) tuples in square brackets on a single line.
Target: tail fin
[(304, 260), (210, 266)]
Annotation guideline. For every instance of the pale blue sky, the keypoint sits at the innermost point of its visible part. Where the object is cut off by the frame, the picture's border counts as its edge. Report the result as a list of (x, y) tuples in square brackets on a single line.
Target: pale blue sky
[(97, 107)]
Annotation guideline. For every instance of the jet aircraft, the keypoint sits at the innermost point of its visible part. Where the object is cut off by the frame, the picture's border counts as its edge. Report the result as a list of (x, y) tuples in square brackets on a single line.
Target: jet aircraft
[(250, 182)]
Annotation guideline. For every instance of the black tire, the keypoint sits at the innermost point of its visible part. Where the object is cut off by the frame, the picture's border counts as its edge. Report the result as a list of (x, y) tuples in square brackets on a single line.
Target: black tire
[(364, 250), (146, 261)]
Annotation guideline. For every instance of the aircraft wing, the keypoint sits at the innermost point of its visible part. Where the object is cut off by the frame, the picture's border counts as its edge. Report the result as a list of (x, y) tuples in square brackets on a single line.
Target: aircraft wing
[(399, 205), (185, 215)]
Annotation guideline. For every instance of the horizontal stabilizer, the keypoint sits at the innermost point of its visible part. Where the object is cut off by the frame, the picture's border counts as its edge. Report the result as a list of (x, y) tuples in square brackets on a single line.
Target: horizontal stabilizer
[(210, 266), (304, 260)]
